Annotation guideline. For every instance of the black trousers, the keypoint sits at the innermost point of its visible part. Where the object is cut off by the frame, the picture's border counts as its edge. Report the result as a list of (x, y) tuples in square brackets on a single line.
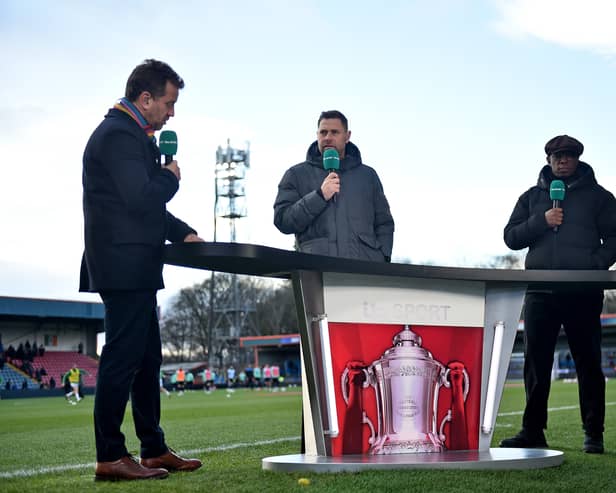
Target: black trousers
[(129, 365), (579, 315)]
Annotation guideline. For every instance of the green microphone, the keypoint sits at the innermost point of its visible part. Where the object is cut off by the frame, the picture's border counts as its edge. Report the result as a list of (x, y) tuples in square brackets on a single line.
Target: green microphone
[(331, 159), (168, 144), (557, 193), (331, 162)]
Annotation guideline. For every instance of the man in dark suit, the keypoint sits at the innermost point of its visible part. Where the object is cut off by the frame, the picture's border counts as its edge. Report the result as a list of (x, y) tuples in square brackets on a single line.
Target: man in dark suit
[(125, 192), (580, 233)]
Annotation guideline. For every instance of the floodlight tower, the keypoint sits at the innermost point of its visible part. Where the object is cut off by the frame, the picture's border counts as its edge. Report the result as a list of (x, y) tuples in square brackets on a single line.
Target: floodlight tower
[(230, 204), (231, 166)]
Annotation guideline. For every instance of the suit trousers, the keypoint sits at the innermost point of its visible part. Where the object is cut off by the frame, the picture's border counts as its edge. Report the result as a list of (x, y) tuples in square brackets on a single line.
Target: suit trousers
[(129, 365), (579, 315)]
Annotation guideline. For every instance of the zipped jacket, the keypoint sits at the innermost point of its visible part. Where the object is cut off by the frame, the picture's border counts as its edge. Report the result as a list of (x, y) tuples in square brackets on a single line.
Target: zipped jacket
[(587, 237), (356, 223)]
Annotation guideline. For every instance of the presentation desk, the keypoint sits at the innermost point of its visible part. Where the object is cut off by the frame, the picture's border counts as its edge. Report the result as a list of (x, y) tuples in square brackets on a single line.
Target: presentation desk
[(403, 366)]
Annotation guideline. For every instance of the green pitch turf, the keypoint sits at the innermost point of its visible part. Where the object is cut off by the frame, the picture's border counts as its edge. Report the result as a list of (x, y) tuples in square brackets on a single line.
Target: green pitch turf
[(47, 445)]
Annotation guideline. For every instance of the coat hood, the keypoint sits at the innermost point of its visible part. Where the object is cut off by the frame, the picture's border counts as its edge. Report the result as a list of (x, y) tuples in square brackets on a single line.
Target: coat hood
[(583, 176), (352, 156)]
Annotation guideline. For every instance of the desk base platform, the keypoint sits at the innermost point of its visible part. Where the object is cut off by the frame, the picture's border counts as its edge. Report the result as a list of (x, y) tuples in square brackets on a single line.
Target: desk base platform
[(492, 459)]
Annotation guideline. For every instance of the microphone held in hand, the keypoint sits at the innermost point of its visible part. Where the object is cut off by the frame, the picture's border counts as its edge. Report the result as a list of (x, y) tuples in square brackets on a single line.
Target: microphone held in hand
[(331, 162), (168, 145), (557, 193), (331, 159)]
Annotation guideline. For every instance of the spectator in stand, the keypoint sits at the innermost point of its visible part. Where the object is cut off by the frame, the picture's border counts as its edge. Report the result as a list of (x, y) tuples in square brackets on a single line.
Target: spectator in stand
[(26, 367), (41, 351), (20, 353), (24, 384), (11, 353), (52, 383), (27, 351)]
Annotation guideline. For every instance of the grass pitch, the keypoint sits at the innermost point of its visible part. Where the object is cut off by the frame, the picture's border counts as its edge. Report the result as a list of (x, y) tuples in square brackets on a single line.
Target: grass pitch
[(47, 445)]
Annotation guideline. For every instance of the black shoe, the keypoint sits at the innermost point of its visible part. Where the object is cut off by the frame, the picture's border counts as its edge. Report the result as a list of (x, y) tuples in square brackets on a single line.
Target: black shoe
[(593, 444), (525, 439)]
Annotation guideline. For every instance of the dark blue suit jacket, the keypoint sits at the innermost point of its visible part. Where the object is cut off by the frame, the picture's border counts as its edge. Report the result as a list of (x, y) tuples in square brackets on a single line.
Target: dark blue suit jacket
[(126, 222)]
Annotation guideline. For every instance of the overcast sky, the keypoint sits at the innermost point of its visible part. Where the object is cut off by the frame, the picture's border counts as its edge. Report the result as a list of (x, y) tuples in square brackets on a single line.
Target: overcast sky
[(451, 101)]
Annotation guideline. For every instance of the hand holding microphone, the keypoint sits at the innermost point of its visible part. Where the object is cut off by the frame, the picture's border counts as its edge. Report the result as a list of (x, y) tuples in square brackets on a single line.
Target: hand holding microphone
[(554, 216), (168, 145), (331, 185)]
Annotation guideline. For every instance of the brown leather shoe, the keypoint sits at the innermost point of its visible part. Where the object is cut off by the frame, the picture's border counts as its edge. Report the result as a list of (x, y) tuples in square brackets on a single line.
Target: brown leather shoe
[(172, 462), (125, 469)]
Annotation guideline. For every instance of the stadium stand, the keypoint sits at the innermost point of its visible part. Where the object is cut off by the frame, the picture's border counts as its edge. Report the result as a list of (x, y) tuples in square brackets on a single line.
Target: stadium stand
[(15, 377), (57, 363)]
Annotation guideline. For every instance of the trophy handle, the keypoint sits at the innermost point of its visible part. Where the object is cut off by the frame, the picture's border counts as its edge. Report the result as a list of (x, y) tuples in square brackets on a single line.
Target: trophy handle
[(441, 431), (344, 380), (457, 379), (353, 380), (447, 384), (366, 421)]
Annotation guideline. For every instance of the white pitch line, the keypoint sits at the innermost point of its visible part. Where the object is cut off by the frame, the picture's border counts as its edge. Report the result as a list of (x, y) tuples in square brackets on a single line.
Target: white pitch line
[(22, 473), (551, 409)]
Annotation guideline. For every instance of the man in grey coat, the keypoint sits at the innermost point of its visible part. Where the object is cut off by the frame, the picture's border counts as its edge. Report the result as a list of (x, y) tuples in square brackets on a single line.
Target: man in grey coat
[(340, 214)]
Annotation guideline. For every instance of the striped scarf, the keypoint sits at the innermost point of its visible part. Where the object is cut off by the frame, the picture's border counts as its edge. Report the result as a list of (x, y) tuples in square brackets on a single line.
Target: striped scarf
[(130, 109)]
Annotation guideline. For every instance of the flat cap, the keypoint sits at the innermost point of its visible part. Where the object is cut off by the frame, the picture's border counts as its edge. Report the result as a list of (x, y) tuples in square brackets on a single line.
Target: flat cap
[(564, 143)]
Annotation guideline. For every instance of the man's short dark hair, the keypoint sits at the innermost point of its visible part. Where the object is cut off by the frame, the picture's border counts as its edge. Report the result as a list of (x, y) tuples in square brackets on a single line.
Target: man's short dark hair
[(331, 114), (151, 76)]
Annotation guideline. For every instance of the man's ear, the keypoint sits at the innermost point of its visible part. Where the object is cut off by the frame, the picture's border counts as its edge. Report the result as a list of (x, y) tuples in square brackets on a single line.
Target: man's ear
[(348, 136), (144, 100)]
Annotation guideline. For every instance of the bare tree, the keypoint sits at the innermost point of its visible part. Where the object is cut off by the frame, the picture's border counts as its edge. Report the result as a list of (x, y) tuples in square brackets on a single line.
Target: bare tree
[(263, 307), (508, 261)]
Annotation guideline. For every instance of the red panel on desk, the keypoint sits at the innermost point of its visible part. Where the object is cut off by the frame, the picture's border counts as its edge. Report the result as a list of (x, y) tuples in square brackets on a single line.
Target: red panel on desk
[(368, 342)]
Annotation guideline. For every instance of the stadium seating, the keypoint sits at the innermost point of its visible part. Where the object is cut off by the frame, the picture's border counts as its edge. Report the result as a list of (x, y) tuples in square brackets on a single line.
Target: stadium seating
[(57, 363), (16, 377)]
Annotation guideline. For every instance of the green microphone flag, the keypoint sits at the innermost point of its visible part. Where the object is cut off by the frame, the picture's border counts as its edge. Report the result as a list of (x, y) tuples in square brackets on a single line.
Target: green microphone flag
[(557, 190), (331, 159), (168, 144)]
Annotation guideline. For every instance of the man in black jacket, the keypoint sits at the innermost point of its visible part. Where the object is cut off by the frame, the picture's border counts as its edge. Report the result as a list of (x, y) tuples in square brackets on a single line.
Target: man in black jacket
[(579, 233), (125, 191), (340, 214)]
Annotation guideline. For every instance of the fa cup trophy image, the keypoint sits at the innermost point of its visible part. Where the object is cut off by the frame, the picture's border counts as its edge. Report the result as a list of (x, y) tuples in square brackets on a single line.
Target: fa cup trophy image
[(407, 382)]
